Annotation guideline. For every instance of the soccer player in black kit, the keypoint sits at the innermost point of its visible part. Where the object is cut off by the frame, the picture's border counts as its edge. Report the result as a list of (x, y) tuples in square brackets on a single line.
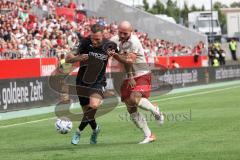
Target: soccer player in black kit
[(90, 80)]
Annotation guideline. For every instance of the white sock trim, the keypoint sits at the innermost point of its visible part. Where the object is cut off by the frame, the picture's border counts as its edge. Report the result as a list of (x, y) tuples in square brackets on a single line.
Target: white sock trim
[(96, 130)]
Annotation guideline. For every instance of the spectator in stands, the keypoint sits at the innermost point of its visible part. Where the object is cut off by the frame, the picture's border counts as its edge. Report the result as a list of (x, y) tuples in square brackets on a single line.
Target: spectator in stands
[(60, 3), (176, 51), (175, 65), (7, 56), (35, 51), (72, 41), (38, 40), (81, 7), (233, 48), (23, 13), (10, 52), (2, 50), (45, 6), (7, 34), (72, 4), (101, 21), (22, 48), (80, 16), (113, 28)]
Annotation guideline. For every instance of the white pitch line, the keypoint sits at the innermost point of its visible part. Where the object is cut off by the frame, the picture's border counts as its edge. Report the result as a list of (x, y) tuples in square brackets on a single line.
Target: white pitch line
[(30, 122), (122, 106), (195, 94)]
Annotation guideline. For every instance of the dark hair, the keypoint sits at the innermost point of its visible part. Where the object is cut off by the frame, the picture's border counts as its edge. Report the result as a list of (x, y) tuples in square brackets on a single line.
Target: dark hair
[(97, 28)]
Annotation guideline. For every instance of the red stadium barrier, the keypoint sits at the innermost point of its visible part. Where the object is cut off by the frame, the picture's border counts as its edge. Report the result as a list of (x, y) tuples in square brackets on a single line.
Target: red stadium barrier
[(27, 68), (183, 61), (32, 68)]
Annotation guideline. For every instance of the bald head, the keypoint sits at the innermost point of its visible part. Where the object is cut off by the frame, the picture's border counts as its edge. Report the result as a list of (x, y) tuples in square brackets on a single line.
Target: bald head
[(125, 25), (124, 30)]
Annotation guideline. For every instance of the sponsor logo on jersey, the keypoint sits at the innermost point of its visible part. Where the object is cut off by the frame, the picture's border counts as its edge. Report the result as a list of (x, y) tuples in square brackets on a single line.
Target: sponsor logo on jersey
[(99, 56)]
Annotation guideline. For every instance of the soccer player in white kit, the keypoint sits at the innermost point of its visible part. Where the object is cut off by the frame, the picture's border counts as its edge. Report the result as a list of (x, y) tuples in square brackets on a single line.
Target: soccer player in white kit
[(136, 88)]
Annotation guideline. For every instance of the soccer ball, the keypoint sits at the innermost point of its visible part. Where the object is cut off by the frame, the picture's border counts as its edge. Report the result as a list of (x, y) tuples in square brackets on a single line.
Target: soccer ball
[(63, 126)]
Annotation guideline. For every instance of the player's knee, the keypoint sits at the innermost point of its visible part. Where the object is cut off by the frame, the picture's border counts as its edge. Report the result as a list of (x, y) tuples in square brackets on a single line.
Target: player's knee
[(134, 98), (95, 101), (94, 104)]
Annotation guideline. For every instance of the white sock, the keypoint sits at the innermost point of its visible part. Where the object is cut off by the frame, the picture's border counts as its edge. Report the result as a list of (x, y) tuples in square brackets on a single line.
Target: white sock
[(145, 104), (141, 123)]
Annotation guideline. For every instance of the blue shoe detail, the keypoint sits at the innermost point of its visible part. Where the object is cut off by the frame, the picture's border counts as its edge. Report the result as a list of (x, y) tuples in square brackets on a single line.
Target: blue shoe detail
[(76, 138), (94, 135)]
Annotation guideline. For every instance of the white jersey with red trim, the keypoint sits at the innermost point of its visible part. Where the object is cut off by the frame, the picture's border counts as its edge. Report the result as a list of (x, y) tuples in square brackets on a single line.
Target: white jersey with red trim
[(133, 45)]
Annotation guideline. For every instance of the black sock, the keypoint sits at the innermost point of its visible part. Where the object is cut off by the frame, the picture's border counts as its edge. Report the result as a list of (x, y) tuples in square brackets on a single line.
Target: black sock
[(83, 123), (93, 124), (91, 118)]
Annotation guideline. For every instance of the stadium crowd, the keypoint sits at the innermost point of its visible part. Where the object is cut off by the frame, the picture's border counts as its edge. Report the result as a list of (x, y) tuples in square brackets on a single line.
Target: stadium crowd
[(23, 35)]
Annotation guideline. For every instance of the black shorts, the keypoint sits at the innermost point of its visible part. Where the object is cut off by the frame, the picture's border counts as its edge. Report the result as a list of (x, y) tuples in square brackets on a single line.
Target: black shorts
[(84, 92)]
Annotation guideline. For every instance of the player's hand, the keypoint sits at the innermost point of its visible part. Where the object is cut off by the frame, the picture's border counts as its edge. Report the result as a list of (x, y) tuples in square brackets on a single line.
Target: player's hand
[(132, 83), (83, 57), (69, 56), (111, 53)]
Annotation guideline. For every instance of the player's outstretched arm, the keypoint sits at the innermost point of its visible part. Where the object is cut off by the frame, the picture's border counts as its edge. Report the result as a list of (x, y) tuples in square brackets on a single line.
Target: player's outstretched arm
[(71, 58)]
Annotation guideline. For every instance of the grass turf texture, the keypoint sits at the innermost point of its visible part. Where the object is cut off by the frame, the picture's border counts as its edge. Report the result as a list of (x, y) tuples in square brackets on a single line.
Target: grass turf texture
[(210, 131)]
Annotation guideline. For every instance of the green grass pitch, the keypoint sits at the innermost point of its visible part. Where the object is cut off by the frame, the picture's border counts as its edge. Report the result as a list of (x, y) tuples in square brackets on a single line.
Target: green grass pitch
[(200, 125)]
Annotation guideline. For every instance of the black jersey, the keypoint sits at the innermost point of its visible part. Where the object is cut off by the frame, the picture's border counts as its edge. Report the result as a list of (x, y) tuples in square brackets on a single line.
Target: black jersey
[(92, 71)]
